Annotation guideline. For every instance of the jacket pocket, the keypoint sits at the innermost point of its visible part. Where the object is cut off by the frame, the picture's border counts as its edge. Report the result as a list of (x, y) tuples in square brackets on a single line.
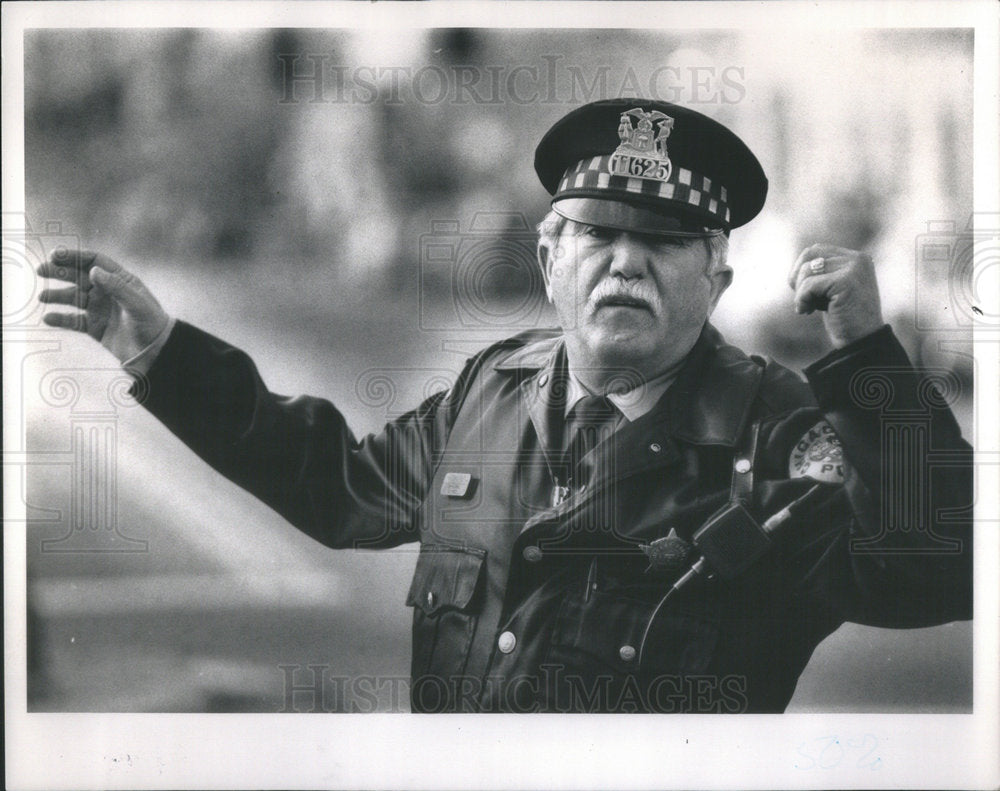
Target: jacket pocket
[(604, 631), (594, 658), (446, 598)]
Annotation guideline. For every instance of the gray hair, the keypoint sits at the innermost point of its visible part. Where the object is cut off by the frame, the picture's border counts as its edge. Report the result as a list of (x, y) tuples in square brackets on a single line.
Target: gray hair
[(552, 226)]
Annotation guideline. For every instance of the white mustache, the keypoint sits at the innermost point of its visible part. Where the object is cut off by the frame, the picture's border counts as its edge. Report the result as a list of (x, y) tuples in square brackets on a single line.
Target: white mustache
[(614, 289)]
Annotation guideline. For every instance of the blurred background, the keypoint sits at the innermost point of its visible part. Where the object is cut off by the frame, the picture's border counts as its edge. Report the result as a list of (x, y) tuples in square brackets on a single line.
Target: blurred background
[(282, 188)]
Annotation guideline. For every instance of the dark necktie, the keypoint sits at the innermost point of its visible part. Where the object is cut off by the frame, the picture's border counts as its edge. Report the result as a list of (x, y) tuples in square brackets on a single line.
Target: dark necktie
[(591, 420)]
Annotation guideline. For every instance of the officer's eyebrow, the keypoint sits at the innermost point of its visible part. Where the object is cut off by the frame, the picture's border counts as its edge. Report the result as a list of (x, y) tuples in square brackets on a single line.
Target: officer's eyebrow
[(650, 239), (575, 228), (672, 241)]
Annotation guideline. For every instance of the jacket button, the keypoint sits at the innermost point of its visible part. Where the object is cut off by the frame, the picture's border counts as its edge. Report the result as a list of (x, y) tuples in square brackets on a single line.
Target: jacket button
[(532, 553), (627, 653), (742, 466), (431, 598), (655, 447), (506, 642)]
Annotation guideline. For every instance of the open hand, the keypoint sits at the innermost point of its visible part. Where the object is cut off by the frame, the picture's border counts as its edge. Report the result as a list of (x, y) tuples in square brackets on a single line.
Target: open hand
[(115, 308)]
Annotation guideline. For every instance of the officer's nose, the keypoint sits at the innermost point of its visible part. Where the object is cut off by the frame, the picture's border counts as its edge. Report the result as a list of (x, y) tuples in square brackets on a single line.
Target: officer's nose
[(629, 256)]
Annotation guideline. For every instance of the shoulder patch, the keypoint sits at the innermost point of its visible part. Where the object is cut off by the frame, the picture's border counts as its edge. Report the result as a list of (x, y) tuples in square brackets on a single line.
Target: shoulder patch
[(818, 455)]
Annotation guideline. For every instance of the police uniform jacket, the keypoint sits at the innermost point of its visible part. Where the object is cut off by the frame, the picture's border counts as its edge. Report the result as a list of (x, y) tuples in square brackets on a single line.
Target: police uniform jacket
[(522, 602)]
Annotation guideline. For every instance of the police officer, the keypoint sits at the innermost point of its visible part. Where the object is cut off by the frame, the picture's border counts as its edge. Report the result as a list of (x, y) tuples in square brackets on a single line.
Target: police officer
[(626, 514)]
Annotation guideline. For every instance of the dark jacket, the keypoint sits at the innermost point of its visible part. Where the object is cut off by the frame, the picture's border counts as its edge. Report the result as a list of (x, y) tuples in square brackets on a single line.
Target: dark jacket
[(524, 605)]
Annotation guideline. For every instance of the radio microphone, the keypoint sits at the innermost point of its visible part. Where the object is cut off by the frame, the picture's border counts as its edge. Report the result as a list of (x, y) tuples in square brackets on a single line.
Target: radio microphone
[(731, 540)]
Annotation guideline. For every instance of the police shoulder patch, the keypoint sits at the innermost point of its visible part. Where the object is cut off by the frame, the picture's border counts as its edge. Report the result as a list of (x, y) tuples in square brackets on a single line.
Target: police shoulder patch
[(818, 455)]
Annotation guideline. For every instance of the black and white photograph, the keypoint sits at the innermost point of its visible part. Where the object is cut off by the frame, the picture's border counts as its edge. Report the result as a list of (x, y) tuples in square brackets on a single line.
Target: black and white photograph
[(580, 364)]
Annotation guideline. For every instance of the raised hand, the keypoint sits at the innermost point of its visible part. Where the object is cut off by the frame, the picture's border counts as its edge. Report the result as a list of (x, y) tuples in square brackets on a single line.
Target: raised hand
[(114, 307), (842, 284)]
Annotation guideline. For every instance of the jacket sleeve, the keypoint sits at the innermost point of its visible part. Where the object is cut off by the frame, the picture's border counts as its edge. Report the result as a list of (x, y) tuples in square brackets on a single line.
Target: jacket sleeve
[(297, 455), (898, 553)]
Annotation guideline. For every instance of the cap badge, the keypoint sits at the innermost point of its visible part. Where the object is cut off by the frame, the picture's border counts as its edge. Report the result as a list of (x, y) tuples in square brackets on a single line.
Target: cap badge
[(643, 150)]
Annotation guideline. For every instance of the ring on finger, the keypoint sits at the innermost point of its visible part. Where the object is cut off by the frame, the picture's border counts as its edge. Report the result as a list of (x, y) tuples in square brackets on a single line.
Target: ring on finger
[(817, 266)]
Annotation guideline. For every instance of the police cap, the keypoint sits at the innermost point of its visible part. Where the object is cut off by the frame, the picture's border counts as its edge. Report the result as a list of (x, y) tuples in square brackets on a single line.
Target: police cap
[(651, 167)]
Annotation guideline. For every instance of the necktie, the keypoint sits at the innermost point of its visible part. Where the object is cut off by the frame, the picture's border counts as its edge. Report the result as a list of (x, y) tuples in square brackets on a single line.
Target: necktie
[(591, 420)]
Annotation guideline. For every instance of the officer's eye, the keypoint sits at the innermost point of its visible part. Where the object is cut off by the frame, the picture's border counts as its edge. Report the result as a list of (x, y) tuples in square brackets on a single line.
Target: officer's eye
[(675, 242), (598, 233)]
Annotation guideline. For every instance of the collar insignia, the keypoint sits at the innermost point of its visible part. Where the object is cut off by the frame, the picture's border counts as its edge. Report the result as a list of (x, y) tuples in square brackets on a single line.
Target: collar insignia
[(643, 150)]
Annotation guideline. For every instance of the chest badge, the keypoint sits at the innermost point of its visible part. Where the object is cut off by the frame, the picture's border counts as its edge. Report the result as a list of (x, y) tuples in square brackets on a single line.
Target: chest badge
[(457, 484), (818, 455)]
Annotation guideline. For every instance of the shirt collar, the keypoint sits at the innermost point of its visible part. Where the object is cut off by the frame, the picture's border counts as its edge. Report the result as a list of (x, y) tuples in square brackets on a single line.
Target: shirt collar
[(633, 404), (709, 402)]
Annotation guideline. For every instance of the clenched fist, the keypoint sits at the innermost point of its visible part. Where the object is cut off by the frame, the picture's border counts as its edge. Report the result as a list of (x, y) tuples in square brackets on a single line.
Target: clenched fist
[(115, 308), (841, 283)]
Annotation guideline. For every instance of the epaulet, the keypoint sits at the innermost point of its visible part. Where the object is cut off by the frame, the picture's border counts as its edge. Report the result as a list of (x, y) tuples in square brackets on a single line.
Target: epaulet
[(529, 350), (522, 339), (781, 389), (495, 355), (499, 353)]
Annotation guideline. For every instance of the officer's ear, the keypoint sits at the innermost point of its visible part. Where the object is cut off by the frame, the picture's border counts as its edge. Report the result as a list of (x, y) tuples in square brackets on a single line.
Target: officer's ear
[(545, 259), (720, 279)]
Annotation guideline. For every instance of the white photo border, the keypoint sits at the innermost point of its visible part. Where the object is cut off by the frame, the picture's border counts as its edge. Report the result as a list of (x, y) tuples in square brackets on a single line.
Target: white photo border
[(504, 751)]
